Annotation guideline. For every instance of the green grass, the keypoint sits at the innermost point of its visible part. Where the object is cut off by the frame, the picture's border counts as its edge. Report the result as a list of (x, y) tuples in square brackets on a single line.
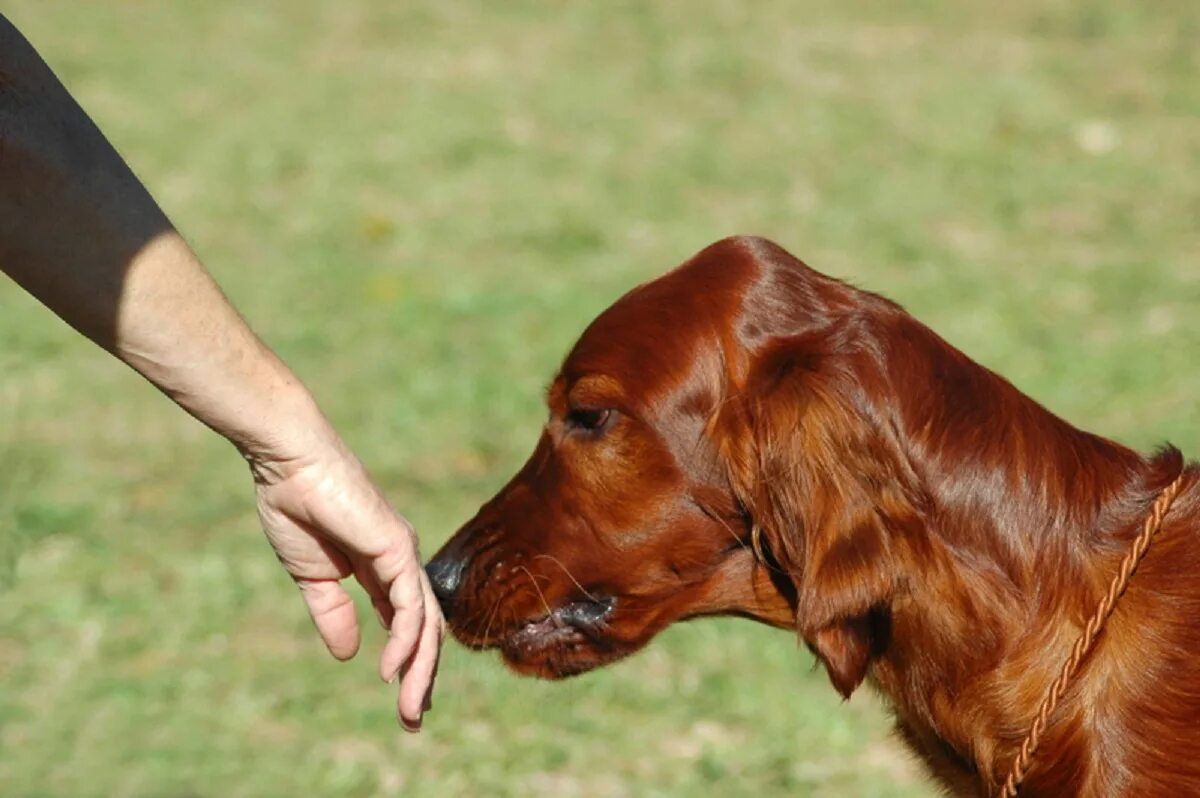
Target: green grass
[(420, 205)]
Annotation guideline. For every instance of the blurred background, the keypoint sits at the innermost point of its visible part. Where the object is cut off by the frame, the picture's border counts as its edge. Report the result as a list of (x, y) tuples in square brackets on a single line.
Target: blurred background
[(420, 205)]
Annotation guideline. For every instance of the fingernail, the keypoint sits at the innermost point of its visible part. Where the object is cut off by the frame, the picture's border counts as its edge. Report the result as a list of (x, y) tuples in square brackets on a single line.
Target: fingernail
[(411, 728)]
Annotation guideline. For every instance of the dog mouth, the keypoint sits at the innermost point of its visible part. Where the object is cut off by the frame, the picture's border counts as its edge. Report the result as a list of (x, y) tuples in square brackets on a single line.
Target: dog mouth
[(568, 628)]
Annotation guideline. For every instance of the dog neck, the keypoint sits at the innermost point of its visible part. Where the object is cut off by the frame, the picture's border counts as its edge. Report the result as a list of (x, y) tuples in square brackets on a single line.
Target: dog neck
[(1015, 548)]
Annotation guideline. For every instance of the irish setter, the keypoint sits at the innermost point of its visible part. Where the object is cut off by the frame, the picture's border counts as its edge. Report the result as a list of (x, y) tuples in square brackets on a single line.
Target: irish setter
[(747, 436)]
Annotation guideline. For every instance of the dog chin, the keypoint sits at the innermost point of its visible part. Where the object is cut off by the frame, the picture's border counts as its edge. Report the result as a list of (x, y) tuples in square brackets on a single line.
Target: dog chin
[(559, 662)]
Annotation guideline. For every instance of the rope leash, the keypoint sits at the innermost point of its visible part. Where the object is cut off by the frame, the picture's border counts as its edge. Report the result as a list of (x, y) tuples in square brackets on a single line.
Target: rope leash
[(1020, 766)]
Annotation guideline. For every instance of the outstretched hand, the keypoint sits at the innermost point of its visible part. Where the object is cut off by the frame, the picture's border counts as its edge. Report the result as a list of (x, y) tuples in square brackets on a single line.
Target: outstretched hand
[(326, 521)]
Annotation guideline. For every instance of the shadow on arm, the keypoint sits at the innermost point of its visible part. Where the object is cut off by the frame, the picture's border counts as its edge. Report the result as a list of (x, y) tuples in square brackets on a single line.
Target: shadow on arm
[(73, 216)]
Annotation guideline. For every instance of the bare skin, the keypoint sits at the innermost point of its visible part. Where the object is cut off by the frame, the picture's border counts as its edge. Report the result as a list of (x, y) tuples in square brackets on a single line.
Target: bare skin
[(81, 233)]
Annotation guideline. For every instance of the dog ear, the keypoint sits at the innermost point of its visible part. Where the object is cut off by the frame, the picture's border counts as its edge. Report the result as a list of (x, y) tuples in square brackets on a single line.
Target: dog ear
[(825, 486)]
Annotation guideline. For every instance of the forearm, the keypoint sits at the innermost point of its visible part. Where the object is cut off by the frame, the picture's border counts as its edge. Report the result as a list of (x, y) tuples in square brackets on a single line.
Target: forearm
[(81, 233), (176, 328)]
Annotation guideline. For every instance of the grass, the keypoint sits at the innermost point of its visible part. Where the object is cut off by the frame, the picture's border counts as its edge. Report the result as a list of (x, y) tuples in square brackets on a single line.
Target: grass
[(420, 205)]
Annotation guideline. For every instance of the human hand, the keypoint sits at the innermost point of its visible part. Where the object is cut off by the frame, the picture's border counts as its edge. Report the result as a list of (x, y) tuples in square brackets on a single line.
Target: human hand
[(326, 521)]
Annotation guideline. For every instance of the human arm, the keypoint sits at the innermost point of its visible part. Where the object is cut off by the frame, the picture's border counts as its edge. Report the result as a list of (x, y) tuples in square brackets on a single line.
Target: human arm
[(80, 232)]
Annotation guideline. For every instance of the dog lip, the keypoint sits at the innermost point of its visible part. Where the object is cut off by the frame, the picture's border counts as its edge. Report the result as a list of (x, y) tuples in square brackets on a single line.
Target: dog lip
[(541, 634), (585, 613), (572, 621), (579, 615)]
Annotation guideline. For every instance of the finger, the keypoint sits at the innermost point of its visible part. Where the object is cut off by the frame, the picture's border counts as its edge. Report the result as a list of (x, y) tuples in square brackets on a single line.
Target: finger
[(427, 701), (399, 569), (332, 611), (416, 686), (379, 597), (408, 604)]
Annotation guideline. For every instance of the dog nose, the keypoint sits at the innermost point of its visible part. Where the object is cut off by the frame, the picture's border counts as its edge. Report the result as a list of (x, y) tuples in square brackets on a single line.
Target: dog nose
[(445, 575)]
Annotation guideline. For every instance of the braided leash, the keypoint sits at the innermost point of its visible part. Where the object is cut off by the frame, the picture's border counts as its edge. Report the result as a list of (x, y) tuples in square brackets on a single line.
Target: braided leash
[(1020, 765)]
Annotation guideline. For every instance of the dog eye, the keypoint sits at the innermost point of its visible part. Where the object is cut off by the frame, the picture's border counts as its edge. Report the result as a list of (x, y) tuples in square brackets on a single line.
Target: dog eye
[(589, 419)]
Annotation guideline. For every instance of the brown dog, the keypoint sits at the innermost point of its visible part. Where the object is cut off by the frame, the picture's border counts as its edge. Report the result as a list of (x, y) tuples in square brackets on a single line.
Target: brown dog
[(747, 436)]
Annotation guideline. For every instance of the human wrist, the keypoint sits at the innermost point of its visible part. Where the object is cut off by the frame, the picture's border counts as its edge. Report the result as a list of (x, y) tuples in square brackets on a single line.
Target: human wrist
[(290, 433)]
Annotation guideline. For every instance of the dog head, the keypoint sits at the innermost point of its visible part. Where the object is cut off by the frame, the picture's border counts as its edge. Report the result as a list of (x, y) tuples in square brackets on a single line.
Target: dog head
[(696, 461)]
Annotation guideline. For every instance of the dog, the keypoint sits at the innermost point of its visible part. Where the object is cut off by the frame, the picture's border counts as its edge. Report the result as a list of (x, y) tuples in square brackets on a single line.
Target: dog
[(746, 436)]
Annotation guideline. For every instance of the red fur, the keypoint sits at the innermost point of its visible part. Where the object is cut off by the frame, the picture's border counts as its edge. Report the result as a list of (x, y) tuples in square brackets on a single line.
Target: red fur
[(918, 521)]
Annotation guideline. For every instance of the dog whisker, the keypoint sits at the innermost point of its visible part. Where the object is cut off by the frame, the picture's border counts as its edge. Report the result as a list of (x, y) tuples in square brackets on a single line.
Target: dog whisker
[(570, 575), (537, 587)]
